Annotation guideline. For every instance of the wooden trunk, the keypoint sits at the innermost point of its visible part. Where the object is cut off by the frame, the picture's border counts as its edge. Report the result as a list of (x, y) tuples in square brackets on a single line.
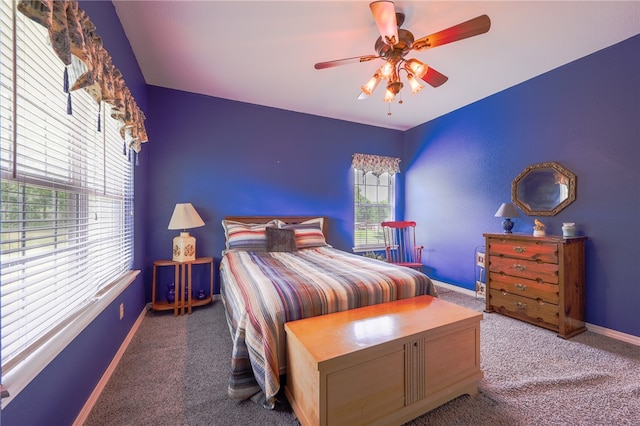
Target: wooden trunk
[(382, 364)]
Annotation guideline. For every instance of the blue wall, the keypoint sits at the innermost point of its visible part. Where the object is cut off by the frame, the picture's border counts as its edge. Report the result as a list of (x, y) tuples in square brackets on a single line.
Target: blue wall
[(233, 158), (586, 116), (58, 393)]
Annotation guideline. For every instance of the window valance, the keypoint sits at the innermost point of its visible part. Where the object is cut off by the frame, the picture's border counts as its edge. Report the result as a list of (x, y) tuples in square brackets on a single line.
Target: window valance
[(88, 65), (376, 164)]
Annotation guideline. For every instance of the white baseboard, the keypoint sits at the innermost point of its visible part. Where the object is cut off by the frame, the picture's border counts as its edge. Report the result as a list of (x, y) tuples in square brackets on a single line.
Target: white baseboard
[(93, 398), (454, 288), (629, 338)]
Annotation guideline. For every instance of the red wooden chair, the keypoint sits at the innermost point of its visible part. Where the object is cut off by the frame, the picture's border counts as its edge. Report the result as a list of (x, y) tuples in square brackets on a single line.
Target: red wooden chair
[(400, 244)]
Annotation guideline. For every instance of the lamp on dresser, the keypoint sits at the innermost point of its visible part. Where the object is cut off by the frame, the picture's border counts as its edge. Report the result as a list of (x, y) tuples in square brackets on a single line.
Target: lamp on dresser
[(184, 217), (507, 210)]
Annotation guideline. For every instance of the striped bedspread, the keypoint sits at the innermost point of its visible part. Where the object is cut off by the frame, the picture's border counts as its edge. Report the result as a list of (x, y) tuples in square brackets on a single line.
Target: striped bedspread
[(263, 290)]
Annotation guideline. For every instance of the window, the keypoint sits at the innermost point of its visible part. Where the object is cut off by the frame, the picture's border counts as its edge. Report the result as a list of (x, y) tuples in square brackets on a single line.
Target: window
[(67, 198), (374, 202), (374, 198)]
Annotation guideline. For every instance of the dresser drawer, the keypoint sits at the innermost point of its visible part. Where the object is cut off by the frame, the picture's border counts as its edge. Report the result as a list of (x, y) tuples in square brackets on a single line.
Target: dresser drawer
[(547, 272), (519, 306), (541, 251), (526, 288)]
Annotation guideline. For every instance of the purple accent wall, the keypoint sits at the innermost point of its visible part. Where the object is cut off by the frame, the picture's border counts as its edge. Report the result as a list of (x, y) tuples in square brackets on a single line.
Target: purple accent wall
[(584, 115)]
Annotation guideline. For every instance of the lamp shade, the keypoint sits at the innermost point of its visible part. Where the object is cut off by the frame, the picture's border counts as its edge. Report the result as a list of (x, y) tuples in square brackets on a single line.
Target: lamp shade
[(184, 245), (507, 210), (185, 217)]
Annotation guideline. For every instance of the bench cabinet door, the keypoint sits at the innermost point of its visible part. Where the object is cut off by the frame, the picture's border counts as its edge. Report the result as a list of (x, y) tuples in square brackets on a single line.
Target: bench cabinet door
[(451, 358), (368, 389)]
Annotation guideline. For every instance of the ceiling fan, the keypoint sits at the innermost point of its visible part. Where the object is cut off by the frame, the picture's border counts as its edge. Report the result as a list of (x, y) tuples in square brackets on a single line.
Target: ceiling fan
[(395, 43)]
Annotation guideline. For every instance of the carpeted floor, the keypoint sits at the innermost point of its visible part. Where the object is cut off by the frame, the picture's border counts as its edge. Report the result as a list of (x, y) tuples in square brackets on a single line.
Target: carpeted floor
[(175, 372)]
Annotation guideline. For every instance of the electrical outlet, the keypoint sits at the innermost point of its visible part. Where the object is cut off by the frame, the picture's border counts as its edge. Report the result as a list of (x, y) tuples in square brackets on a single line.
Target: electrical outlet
[(121, 310)]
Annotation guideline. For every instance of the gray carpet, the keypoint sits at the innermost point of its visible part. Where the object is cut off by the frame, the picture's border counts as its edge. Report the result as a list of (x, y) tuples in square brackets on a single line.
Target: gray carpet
[(175, 372)]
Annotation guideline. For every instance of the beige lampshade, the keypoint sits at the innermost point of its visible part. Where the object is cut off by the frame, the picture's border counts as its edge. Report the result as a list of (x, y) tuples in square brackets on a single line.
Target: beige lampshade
[(185, 217), (184, 245)]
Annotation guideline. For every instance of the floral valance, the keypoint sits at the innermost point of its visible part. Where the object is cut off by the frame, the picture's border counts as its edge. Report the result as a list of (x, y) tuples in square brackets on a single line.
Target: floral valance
[(87, 64), (376, 164)]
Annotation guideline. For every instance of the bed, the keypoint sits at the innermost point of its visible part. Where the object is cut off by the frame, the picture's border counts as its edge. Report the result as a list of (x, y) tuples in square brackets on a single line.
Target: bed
[(279, 269)]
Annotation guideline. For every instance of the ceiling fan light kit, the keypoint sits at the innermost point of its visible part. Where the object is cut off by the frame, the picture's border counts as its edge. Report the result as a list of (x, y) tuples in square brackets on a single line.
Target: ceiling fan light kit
[(371, 85), (415, 85), (417, 67), (395, 43)]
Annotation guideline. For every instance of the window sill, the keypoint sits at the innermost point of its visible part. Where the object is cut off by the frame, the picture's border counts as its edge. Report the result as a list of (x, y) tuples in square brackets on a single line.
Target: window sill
[(365, 249), (19, 376)]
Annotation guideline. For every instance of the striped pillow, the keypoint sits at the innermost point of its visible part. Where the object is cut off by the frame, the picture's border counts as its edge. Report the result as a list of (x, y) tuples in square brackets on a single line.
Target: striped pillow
[(308, 233), (246, 236)]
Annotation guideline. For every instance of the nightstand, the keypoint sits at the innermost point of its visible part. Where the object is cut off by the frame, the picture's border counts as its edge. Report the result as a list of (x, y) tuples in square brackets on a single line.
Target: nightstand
[(182, 279)]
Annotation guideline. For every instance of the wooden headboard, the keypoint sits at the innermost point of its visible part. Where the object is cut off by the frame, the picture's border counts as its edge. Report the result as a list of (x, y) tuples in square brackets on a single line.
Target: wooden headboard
[(286, 219)]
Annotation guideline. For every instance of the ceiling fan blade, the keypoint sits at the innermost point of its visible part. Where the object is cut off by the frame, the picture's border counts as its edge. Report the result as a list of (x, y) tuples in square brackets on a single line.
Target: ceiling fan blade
[(384, 13), (345, 61), (467, 29), (434, 78)]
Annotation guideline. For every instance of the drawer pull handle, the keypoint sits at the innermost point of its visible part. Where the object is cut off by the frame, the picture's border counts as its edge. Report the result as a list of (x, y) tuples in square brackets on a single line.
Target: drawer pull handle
[(520, 287), (519, 267), (519, 249), (521, 306)]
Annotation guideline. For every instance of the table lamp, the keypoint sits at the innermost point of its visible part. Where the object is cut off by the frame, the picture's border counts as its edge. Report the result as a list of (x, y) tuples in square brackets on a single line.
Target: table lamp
[(507, 210), (184, 245)]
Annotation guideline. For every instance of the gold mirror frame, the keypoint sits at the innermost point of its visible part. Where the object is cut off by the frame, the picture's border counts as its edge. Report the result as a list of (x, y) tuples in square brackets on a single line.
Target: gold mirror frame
[(544, 189)]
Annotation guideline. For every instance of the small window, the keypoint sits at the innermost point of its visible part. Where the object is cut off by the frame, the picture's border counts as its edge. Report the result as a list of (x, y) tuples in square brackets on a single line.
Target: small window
[(374, 202)]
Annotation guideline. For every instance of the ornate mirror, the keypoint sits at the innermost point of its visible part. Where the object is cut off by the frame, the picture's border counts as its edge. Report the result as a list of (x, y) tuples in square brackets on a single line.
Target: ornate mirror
[(544, 189)]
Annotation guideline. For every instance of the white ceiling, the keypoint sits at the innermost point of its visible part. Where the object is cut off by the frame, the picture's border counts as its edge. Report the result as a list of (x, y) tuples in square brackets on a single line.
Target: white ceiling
[(263, 52)]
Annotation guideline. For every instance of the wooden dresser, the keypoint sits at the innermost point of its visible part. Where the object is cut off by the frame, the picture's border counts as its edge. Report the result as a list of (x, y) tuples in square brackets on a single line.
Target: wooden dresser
[(539, 280)]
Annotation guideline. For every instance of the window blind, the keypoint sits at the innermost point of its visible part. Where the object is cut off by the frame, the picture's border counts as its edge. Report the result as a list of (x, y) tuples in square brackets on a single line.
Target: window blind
[(67, 193)]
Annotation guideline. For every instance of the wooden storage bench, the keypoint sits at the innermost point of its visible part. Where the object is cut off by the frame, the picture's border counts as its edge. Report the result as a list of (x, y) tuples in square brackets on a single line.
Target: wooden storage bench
[(382, 364)]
